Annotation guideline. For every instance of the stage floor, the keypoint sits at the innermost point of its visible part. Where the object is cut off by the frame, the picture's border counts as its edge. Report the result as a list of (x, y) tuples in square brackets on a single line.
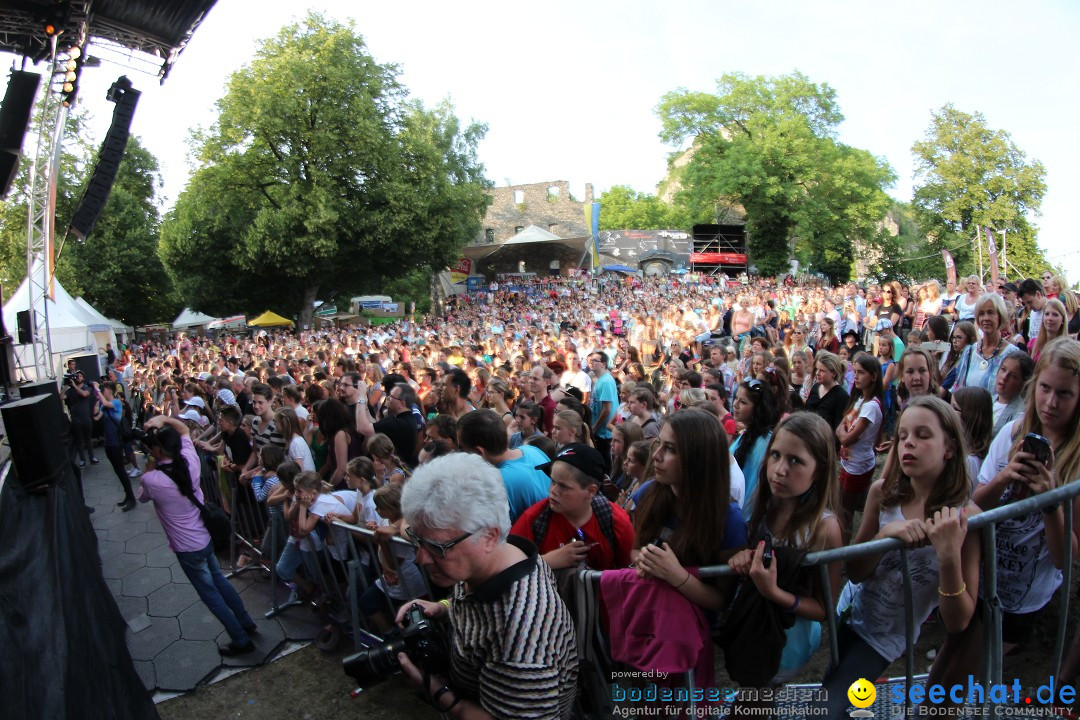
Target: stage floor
[(172, 637)]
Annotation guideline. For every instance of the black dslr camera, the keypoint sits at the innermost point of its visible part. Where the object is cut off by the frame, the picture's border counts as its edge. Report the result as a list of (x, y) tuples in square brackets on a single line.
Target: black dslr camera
[(420, 638)]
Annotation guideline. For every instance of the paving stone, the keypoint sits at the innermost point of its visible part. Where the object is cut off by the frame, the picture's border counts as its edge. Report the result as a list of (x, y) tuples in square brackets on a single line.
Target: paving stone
[(145, 580), (123, 533), (146, 673), (171, 599), (161, 556), (107, 520), (131, 606), (266, 644), (198, 623), (147, 643), (185, 664), (146, 542), (121, 565), (108, 548)]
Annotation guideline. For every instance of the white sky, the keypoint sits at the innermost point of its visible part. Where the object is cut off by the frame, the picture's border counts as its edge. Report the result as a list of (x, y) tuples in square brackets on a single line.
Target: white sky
[(568, 88)]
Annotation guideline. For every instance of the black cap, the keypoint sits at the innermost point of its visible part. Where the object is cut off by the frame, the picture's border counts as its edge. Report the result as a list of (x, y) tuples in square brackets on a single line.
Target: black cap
[(580, 456)]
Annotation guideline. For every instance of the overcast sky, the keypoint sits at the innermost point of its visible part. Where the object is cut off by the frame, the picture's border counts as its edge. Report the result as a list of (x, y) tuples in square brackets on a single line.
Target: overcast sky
[(568, 89)]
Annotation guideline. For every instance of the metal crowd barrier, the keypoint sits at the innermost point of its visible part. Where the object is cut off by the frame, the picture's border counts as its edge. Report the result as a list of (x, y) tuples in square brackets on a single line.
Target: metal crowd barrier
[(589, 598)]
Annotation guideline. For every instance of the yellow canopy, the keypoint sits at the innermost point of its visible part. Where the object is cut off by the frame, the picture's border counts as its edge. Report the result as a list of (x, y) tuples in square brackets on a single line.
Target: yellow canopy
[(270, 319)]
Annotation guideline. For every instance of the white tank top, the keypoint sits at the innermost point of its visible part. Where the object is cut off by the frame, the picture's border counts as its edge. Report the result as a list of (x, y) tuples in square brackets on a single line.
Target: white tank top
[(877, 603)]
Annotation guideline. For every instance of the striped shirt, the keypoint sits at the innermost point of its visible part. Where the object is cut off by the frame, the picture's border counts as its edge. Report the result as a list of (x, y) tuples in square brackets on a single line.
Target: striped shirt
[(514, 647)]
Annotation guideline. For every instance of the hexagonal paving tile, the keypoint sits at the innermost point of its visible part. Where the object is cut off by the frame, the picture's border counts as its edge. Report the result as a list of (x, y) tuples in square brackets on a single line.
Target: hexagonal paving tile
[(171, 599), (198, 623), (122, 564), (115, 586), (145, 580), (145, 668), (108, 548), (146, 542), (147, 643), (266, 643), (123, 533), (130, 606), (104, 519), (161, 556), (185, 664)]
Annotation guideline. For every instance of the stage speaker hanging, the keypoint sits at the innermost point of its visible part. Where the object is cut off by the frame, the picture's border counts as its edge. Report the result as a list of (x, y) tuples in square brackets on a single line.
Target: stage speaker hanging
[(14, 119), (22, 320), (109, 157)]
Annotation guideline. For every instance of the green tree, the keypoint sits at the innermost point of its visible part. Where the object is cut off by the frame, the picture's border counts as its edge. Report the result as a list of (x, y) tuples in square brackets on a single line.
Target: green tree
[(75, 158), (333, 181), (117, 268), (969, 175), (623, 208), (769, 144)]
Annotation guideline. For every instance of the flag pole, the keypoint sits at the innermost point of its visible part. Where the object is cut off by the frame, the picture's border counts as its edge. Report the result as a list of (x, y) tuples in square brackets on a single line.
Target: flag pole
[(978, 232)]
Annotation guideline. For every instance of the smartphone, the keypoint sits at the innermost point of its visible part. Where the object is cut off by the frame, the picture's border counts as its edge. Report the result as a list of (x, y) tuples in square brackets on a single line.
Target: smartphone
[(1038, 446), (767, 555)]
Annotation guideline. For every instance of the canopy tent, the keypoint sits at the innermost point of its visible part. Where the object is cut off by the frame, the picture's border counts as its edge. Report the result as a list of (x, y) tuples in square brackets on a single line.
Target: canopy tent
[(188, 318), (230, 323), (532, 235), (626, 269), (270, 319), (73, 329)]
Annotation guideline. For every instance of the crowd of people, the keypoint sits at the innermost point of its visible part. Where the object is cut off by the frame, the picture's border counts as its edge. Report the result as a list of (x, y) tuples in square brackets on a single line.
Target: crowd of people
[(651, 427)]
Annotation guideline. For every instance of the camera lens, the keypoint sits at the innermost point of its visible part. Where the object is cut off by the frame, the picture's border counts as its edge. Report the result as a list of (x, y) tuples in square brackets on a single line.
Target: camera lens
[(372, 666)]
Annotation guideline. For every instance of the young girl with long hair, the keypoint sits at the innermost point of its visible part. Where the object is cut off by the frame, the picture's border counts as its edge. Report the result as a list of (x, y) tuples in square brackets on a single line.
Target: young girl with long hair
[(685, 517), (863, 421), (1031, 547), (296, 447), (622, 437), (389, 467), (963, 334), (637, 469), (568, 428), (976, 411), (796, 503), (1055, 324), (923, 501), (756, 408)]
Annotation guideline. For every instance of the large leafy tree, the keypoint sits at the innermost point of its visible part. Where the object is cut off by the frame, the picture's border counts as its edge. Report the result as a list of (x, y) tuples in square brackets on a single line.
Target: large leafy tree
[(320, 178), (117, 268), (769, 144), (969, 175), (622, 207)]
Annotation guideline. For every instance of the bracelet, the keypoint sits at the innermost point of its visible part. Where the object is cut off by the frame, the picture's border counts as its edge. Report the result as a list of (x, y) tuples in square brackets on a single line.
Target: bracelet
[(438, 694), (794, 606), (445, 602), (684, 581), (958, 593)]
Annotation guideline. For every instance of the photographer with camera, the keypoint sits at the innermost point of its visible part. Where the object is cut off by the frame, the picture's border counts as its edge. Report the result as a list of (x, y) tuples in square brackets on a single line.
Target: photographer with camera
[(512, 649), (80, 402), (171, 475), (113, 410)]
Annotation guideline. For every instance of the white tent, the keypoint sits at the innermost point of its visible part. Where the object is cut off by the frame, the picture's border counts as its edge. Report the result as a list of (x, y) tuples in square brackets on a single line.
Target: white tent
[(102, 336), (188, 318), (72, 329)]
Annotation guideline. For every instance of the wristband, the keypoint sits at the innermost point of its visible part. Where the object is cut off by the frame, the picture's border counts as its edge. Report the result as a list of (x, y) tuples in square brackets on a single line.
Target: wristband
[(958, 593), (438, 694), (794, 606), (445, 602)]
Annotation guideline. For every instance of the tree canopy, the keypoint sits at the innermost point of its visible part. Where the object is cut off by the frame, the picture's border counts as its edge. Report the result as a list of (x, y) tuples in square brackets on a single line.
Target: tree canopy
[(116, 269), (621, 207), (769, 144), (320, 177), (969, 175)]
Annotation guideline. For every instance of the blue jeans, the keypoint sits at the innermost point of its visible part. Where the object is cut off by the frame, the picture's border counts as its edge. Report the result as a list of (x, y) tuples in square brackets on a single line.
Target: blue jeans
[(289, 562), (217, 593), (857, 660)]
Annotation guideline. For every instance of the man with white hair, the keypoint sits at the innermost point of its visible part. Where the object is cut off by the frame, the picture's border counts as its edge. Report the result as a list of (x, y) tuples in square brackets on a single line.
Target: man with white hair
[(513, 652)]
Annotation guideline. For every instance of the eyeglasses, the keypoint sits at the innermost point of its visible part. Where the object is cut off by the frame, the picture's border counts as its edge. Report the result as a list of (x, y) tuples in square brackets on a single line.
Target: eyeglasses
[(1048, 277), (437, 549)]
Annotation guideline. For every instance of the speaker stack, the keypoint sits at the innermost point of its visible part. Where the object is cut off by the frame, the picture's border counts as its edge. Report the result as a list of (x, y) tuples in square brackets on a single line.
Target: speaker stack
[(35, 430), (14, 119)]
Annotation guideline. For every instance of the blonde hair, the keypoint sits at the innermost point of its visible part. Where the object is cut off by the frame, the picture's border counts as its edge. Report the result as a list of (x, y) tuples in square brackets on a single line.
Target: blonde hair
[(1044, 336), (1063, 353)]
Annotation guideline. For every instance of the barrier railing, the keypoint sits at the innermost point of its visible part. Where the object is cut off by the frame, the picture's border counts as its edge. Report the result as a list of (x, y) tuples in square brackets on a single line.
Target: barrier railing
[(987, 521)]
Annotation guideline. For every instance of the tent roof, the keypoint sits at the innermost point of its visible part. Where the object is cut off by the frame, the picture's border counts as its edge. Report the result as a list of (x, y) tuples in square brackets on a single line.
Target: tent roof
[(531, 235), (93, 312), (270, 319), (189, 318), (620, 268), (64, 311)]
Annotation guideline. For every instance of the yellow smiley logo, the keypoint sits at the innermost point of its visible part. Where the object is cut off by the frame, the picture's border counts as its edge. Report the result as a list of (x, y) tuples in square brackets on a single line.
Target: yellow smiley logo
[(862, 693)]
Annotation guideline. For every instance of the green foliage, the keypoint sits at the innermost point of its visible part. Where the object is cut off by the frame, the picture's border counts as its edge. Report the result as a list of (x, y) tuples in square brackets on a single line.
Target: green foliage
[(969, 175), (320, 177), (117, 268), (768, 144), (623, 208)]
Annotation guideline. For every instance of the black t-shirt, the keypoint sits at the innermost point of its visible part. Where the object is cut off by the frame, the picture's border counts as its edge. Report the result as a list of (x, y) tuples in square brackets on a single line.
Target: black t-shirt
[(79, 406), (830, 407), (239, 446), (401, 429)]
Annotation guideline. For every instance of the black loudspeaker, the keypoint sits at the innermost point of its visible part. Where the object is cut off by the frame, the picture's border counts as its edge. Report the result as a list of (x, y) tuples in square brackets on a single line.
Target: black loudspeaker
[(89, 364), (14, 118), (35, 430), (42, 387), (22, 320), (109, 157)]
